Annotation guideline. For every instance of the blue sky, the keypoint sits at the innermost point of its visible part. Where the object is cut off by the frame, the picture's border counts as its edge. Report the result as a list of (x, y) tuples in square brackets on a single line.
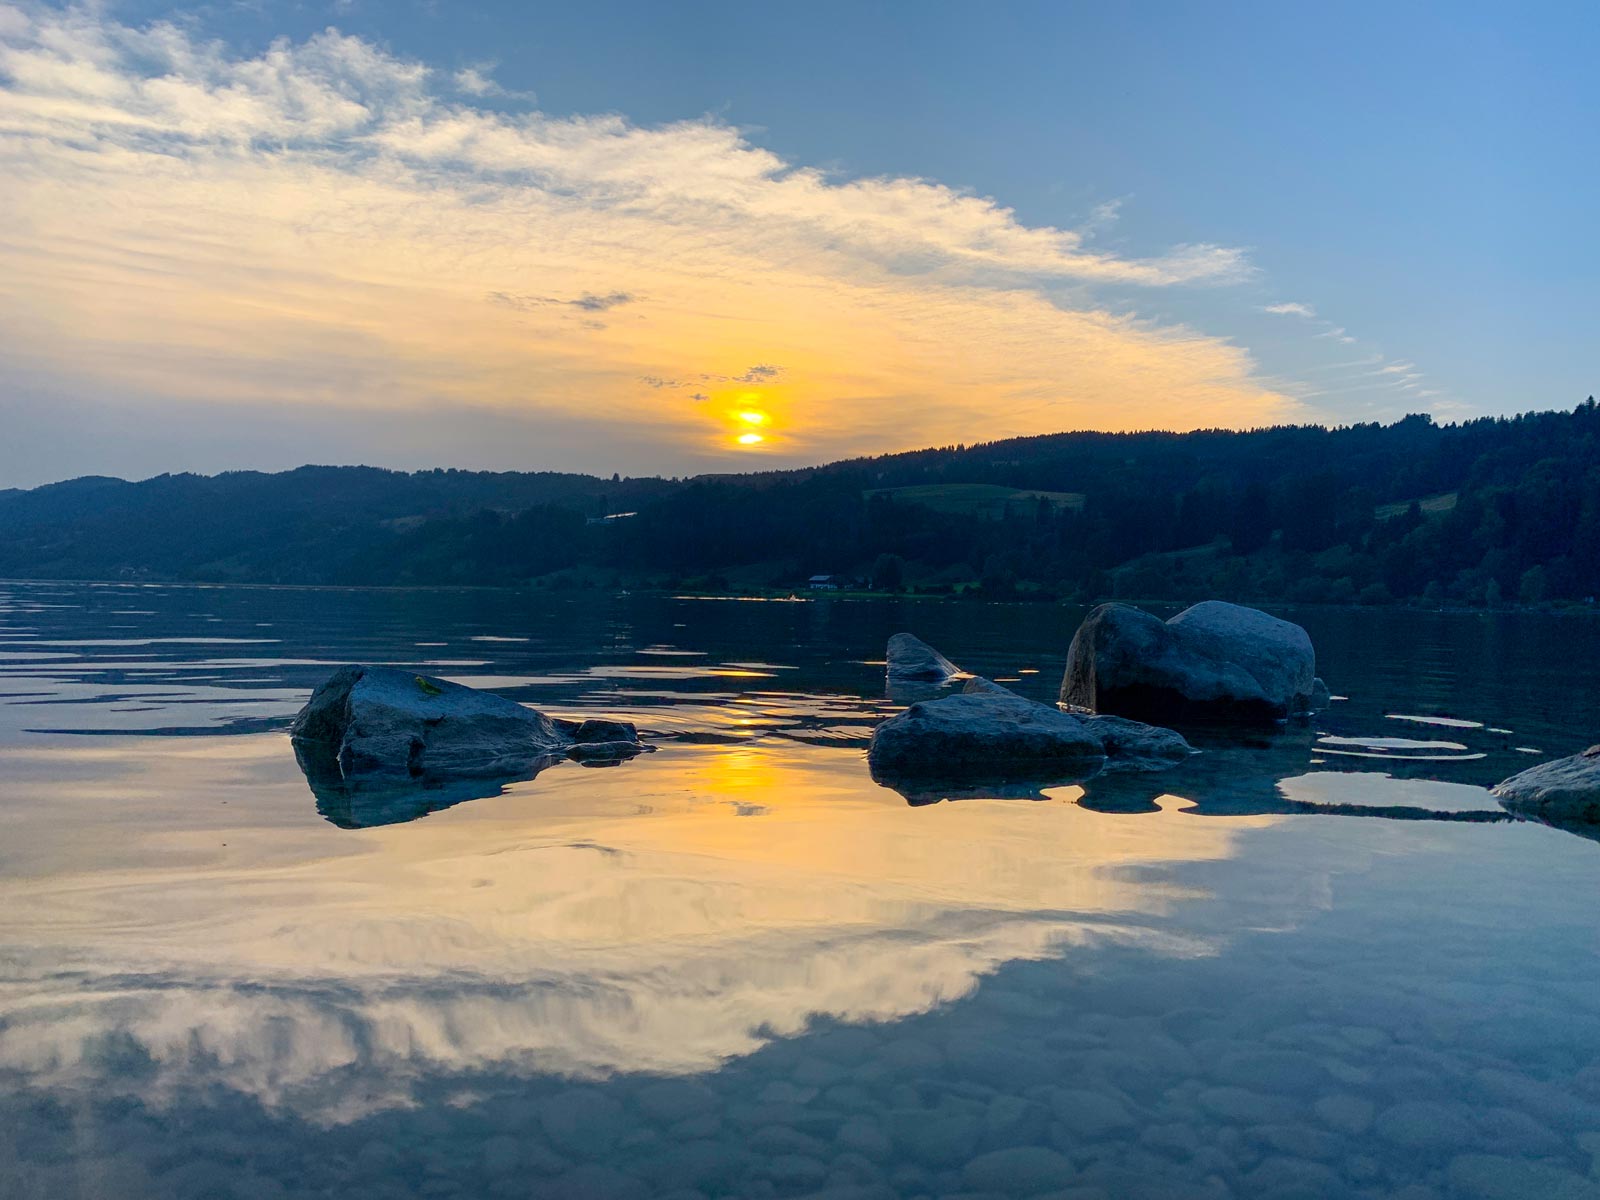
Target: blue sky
[(1421, 178)]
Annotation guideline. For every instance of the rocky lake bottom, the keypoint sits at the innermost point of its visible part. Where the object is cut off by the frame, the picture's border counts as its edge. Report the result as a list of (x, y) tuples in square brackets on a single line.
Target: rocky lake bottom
[(1317, 962)]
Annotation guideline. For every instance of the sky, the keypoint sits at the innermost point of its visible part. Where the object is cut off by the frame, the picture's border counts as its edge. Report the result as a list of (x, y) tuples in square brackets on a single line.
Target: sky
[(668, 239)]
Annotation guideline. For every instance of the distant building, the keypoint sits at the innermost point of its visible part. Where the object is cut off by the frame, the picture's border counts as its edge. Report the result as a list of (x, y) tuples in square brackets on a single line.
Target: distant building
[(823, 583)]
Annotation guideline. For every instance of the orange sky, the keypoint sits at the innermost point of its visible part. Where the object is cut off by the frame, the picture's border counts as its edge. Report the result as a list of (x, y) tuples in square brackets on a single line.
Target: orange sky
[(315, 231)]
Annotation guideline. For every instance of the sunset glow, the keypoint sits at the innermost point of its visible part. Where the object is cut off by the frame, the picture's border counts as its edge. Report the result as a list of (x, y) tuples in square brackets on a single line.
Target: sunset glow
[(221, 237), (512, 273)]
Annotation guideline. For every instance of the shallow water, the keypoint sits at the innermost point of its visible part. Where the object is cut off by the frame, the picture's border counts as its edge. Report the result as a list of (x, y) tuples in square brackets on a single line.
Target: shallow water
[(1321, 963)]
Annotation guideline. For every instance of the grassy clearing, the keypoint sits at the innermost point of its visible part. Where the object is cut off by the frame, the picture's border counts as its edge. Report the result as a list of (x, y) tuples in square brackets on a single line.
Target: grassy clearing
[(1430, 505)]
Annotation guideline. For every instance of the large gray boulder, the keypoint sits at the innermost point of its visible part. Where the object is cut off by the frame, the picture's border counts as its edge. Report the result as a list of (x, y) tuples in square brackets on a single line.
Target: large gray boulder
[(991, 733), (912, 660), (1566, 790), (381, 722), (1212, 661)]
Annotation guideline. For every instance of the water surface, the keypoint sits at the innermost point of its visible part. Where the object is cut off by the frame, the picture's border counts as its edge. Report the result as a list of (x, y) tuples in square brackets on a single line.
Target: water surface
[(1316, 963)]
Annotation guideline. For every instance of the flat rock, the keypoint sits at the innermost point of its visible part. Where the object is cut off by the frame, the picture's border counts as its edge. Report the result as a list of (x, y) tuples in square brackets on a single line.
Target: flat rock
[(981, 733), (1213, 660), (1566, 789), (383, 722)]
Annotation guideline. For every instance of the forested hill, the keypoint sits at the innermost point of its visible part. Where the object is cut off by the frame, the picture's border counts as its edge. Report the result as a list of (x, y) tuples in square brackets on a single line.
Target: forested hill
[(1488, 511)]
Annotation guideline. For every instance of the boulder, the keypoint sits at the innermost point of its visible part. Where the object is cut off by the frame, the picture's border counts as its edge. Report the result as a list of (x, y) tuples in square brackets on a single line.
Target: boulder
[(1566, 790), (1135, 746), (991, 733), (912, 660), (379, 721), (1212, 661), (1128, 745), (979, 686)]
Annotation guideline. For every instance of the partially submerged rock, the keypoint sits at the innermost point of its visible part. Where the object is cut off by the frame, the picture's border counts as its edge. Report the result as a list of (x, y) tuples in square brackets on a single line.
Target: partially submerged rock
[(1135, 746), (1565, 790), (991, 734), (996, 733), (598, 729), (379, 725), (1128, 745), (379, 721), (1212, 661), (912, 660)]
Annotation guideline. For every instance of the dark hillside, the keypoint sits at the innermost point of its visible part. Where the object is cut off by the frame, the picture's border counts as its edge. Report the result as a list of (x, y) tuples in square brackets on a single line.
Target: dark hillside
[(1488, 511)]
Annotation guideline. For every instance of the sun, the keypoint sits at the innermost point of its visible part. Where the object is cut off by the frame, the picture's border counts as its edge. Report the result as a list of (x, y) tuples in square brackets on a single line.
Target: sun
[(748, 420)]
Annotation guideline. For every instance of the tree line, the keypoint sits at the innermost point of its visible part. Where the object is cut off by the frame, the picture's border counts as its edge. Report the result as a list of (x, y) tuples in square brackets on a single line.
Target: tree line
[(1482, 512)]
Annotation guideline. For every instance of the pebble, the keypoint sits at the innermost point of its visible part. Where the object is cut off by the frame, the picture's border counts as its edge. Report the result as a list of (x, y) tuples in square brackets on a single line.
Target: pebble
[(1013, 1121), (1345, 1112), (1510, 1131), (849, 1097), (910, 1056), (1282, 1174), (1245, 1107), (1492, 1177), (501, 1155), (848, 1045), (695, 1165), (1018, 1171), (1271, 1071), (780, 1139), (674, 1100), (933, 1140), (1424, 1125), (594, 1182), (583, 1122), (863, 1135), (794, 1171), (1299, 1141)]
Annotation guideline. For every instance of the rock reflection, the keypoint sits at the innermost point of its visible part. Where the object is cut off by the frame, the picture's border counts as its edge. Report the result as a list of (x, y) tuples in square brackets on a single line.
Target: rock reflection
[(1235, 774), (368, 803)]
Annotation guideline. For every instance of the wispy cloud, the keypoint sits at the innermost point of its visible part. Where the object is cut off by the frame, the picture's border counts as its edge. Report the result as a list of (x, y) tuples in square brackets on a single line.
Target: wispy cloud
[(588, 302), (326, 222), (478, 81), (1290, 309)]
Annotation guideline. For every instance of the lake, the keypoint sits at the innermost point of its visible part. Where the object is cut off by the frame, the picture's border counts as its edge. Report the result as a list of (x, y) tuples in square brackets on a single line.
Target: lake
[(1316, 963)]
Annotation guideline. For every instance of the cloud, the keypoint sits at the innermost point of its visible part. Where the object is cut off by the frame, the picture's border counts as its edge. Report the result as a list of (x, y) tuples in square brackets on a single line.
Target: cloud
[(588, 302), (1291, 309), (324, 224), (478, 82)]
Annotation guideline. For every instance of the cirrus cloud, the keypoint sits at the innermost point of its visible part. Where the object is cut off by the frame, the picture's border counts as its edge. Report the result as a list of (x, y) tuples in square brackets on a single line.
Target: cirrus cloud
[(326, 225)]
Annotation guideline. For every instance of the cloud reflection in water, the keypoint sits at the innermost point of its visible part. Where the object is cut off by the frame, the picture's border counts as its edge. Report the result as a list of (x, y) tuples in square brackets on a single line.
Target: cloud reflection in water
[(584, 922)]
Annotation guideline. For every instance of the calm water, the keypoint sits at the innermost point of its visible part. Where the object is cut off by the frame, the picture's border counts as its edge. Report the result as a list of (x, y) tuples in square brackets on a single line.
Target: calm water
[(1318, 965)]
